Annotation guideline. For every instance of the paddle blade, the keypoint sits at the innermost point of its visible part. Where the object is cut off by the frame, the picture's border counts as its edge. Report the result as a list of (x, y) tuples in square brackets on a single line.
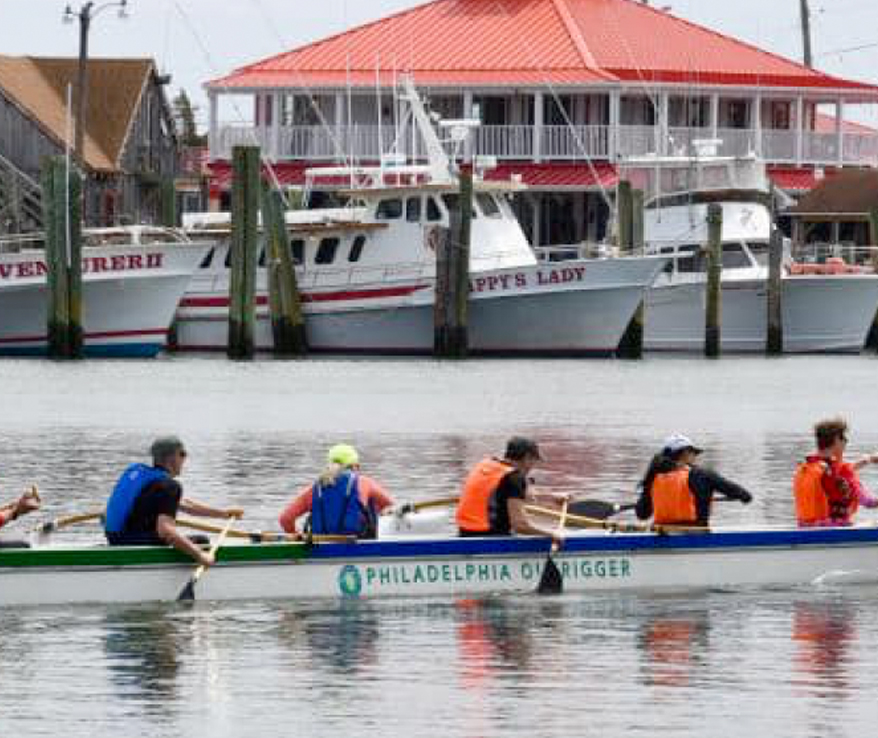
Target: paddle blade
[(187, 594), (595, 509), (551, 581)]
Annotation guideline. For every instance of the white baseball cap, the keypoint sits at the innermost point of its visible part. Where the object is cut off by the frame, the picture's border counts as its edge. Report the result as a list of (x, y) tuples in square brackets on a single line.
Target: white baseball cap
[(678, 442)]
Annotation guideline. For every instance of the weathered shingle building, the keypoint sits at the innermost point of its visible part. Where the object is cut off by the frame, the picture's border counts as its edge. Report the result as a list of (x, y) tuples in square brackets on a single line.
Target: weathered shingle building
[(130, 145)]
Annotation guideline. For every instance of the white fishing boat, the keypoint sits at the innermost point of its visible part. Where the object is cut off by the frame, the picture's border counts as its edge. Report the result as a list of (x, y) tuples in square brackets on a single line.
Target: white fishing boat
[(367, 271), (132, 282), (823, 310), (591, 562)]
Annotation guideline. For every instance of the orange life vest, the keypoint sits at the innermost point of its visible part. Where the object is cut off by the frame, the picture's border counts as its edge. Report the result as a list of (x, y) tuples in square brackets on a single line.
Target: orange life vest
[(672, 500), (825, 491), (811, 503), (473, 508)]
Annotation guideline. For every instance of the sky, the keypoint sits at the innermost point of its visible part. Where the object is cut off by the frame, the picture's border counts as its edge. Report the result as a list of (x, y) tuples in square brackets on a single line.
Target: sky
[(197, 40)]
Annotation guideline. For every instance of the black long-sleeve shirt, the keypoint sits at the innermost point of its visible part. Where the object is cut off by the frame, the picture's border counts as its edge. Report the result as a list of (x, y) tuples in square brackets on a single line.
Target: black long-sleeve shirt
[(703, 483)]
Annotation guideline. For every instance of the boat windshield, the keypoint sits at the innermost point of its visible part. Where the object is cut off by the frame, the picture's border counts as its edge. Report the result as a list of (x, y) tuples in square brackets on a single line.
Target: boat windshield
[(760, 252)]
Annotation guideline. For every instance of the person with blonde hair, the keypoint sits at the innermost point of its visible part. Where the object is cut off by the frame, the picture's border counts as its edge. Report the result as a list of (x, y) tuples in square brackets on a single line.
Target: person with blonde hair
[(341, 502)]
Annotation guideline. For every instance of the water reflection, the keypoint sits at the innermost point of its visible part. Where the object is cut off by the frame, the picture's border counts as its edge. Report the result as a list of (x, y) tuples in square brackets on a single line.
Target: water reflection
[(142, 647), (823, 633), (492, 637), (674, 647), (344, 639)]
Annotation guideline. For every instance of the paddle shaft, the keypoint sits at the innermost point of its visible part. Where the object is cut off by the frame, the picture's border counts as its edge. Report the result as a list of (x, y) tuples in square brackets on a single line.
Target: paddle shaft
[(260, 537), (188, 591)]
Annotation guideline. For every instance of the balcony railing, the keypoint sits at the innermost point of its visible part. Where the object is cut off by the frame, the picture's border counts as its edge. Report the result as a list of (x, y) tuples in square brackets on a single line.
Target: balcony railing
[(553, 143)]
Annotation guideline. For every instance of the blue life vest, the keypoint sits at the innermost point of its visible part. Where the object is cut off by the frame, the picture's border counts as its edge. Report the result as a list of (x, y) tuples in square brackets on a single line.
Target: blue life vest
[(336, 509), (136, 478)]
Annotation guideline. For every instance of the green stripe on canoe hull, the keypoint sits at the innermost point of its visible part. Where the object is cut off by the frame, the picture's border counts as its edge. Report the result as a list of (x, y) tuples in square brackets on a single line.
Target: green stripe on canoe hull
[(143, 555)]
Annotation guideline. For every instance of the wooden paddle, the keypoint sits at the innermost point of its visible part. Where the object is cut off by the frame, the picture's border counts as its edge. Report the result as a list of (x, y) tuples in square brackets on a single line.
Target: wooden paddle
[(41, 533), (551, 581), (260, 536), (412, 507), (187, 594), (598, 509)]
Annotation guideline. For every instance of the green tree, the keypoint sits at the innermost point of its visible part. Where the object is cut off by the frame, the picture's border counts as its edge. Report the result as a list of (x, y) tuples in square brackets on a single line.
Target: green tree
[(184, 117)]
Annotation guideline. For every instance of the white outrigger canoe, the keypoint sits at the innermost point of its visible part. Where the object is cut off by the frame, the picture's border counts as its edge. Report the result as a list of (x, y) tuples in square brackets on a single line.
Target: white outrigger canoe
[(591, 562)]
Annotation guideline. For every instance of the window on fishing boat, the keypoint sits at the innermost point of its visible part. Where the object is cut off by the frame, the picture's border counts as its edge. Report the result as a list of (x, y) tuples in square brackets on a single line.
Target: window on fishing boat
[(208, 258), (297, 251), (452, 202), (261, 260), (389, 209), (413, 210), (693, 261), (488, 205), (734, 257), (434, 214), (326, 251), (760, 252), (357, 248)]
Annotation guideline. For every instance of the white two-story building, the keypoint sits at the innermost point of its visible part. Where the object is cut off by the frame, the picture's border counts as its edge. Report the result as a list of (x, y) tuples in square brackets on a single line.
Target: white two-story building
[(564, 90)]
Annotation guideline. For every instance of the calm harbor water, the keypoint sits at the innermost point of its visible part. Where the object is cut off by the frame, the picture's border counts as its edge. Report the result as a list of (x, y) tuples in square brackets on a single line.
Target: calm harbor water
[(779, 663)]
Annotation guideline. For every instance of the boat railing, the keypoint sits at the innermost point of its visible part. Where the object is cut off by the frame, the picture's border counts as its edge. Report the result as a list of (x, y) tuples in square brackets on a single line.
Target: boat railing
[(850, 254), (567, 252)]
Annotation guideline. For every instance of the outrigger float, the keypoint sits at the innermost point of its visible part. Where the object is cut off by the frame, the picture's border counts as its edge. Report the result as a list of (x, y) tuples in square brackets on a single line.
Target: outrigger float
[(591, 561)]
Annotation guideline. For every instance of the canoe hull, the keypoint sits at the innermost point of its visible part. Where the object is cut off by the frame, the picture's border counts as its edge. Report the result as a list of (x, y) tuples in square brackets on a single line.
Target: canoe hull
[(591, 562)]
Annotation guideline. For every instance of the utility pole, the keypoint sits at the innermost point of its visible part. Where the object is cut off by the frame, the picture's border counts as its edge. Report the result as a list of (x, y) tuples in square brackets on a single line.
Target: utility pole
[(805, 13), (86, 14)]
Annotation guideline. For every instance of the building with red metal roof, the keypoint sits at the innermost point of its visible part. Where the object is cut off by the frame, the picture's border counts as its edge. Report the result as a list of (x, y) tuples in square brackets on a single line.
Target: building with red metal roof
[(563, 89)]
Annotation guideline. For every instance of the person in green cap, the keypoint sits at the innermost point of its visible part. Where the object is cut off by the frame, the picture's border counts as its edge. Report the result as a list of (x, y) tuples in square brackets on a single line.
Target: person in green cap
[(342, 501)]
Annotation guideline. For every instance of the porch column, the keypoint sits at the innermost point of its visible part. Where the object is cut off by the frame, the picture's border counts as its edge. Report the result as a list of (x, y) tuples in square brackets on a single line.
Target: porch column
[(536, 218), (275, 125), (800, 130), (839, 130), (340, 138), (614, 147), (579, 216), (538, 126), (213, 125), (662, 129), (714, 115), (756, 124)]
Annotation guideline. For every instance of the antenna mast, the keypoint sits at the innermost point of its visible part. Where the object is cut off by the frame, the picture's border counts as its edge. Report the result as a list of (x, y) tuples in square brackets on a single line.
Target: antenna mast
[(805, 13)]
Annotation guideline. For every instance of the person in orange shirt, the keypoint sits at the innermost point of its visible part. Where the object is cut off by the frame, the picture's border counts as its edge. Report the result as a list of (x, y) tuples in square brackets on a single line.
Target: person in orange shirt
[(341, 502), (826, 488)]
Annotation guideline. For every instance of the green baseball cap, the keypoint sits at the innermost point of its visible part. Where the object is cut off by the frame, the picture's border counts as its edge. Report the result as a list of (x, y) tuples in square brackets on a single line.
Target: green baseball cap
[(343, 454)]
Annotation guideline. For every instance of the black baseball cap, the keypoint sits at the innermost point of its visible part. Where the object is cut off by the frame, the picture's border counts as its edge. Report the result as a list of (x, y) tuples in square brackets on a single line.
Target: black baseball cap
[(518, 447)]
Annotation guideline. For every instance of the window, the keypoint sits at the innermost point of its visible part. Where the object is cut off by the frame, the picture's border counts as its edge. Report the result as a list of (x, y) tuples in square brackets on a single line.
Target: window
[(760, 253), (734, 256), (488, 205), (434, 214), (206, 261), (451, 202), (692, 263), (413, 210), (389, 209), (261, 260), (229, 256), (357, 248), (326, 251), (297, 251)]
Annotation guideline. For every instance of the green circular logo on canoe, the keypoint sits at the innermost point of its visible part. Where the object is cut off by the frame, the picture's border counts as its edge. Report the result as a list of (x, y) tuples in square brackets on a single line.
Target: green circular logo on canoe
[(350, 582)]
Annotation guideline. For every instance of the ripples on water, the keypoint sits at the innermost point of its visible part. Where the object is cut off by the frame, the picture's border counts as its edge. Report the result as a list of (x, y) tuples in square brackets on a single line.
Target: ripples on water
[(797, 663)]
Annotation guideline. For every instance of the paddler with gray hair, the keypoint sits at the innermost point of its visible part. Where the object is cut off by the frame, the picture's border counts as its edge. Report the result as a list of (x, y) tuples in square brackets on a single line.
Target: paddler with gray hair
[(341, 502), (675, 491), (142, 510)]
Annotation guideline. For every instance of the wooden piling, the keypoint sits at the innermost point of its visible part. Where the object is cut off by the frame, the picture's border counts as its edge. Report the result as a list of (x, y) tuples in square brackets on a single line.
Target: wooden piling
[(774, 295), (872, 340), (713, 308), (440, 241), (244, 245), (63, 216), (57, 303), (168, 203), (451, 339), (285, 304), (630, 226)]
